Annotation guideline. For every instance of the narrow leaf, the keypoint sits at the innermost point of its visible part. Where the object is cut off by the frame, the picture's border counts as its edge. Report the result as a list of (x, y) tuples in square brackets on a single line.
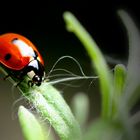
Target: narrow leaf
[(119, 84), (98, 61), (133, 79), (103, 130), (80, 106), (119, 79), (31, 128)]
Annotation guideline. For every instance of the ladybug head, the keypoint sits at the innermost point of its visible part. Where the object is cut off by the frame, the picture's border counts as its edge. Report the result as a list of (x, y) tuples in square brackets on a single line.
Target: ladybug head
[(35, 72), (37, 80)]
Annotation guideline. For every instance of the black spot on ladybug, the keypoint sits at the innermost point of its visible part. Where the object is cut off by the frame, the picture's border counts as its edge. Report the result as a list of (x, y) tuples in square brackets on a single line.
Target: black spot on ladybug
[(7, 56)]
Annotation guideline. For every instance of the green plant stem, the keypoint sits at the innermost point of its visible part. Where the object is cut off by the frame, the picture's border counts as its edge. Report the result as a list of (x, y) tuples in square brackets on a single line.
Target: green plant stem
[(73, 25), (51, 105)]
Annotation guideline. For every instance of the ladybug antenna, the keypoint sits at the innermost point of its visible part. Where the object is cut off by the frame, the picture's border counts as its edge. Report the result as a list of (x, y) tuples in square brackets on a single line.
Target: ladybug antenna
[(68, 75), (62, 58)]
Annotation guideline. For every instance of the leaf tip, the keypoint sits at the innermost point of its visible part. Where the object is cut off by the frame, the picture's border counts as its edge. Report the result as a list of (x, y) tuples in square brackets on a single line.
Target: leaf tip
[(68, 18)]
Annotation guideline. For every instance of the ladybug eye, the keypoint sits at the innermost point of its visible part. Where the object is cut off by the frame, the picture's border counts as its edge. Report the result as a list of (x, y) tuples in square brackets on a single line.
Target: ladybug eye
[(7, 56)]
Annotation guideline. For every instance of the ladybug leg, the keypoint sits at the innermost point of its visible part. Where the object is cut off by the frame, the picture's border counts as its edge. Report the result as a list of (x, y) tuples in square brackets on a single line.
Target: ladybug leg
[(30, 83), (17, 84), (7, 76)]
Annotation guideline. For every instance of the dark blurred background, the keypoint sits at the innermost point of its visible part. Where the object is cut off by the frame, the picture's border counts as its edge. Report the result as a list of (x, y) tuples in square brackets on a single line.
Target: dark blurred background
[(42, 23)]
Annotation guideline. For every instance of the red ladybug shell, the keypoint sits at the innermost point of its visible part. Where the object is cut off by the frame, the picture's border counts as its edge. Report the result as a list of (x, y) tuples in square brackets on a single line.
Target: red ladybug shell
[(16, 51)]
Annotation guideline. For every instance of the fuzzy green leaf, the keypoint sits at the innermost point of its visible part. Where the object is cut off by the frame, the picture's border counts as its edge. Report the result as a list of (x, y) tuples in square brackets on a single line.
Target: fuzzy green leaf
[(52, 106), (31, 128)]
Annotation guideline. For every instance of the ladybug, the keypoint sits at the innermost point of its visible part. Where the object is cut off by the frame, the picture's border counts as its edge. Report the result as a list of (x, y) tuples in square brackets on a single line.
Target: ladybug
[(22, 58)]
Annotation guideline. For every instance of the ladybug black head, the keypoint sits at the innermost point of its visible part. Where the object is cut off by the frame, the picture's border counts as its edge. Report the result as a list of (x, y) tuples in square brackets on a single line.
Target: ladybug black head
[(35, 71), (37, 80)]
